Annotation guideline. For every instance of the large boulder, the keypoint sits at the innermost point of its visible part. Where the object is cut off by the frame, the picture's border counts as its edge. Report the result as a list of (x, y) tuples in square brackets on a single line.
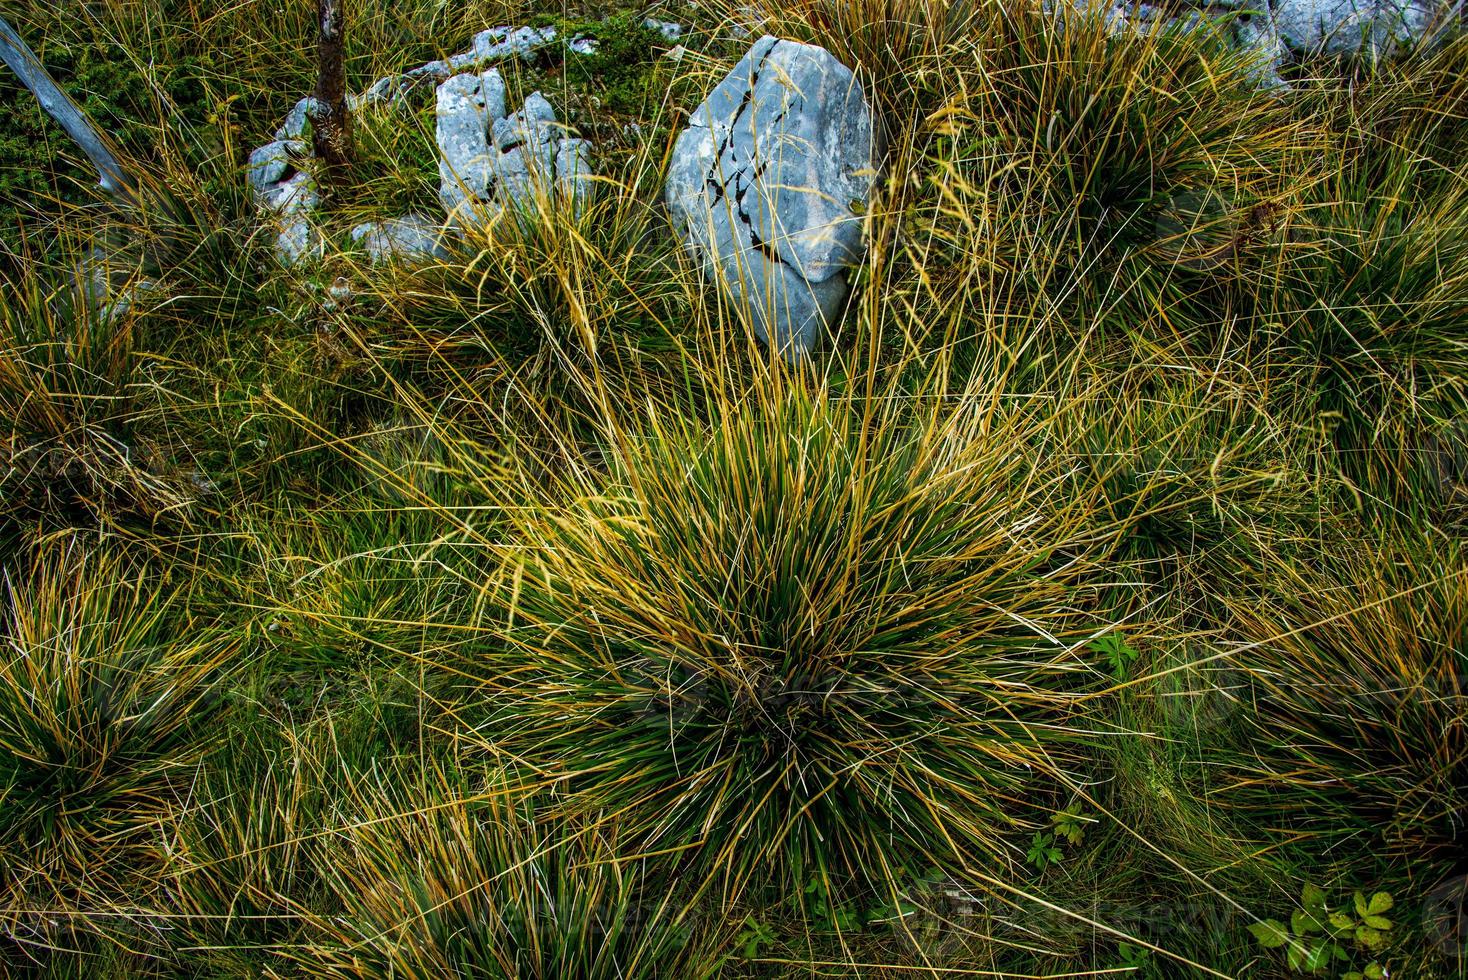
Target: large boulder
[(768, 184)]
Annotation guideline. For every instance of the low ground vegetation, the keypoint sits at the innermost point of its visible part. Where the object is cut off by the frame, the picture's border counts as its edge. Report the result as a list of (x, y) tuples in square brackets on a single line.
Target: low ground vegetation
[(1096, 603)]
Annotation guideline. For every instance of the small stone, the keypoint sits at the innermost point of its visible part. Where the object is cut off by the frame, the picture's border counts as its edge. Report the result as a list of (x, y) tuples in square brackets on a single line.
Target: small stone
[(340, 290), (537, 109), (667, 28), (268, 165), (297, 241), (297, 125), (411, 238), (573, 172), (292, 196), (291, 204)]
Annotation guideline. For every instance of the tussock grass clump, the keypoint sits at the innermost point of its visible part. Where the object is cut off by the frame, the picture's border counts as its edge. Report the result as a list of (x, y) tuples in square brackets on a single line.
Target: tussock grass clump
[(1054, 181), (1373, 297), (106, 683), (1358, 735), (242, 851), (572, 283), (1188, 462), (66, 408), (806, 641), (436, 881)]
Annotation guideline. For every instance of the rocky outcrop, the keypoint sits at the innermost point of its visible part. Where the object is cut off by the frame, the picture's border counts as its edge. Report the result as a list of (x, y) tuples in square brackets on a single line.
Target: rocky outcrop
[(1279, 31), (490, 160), (477, 174), (768, 184), (1360, 28), (467, 105)]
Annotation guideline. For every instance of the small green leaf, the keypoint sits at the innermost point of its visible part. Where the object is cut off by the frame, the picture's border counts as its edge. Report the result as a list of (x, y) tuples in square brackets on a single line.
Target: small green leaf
[(1375, 971), (1372, 939), (1353, 975), (1342, 922), (1319, 956), (1296, 956), (1378, 922), (1360, 902), (1313, 897), (1303, 923), (1117, 652), (1270, 933), (1380, 902)]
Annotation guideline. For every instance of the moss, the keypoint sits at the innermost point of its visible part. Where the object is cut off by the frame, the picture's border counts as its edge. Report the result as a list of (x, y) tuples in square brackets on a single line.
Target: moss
[(39, 165), (621, 70)]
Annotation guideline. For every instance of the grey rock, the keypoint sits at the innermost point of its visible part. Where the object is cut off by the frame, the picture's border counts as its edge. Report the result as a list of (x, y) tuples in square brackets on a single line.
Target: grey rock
[(573, 172), (537, 109), (528, 142), (297, 125), (502, 42), (294, 196), (788, 313), (1279, 29), (467, 106), (297, 241), (667, 28), (488, 160), (1360, 28), (290, 204), (767, 183), (411, 238), (1256, 33), (269, 164)]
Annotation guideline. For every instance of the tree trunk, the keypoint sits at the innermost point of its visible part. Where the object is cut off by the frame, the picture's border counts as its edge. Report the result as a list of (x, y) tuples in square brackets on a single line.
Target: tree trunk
[(331, 122), (115, 180)]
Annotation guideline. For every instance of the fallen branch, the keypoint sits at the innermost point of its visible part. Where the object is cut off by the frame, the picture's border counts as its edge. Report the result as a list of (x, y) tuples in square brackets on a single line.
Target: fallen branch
[(113, 177)]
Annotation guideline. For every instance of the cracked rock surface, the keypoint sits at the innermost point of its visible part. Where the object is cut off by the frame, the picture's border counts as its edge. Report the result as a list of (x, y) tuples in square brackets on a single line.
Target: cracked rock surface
[(488, 159), (767, 183), (1360, 28), (1282, 30)]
